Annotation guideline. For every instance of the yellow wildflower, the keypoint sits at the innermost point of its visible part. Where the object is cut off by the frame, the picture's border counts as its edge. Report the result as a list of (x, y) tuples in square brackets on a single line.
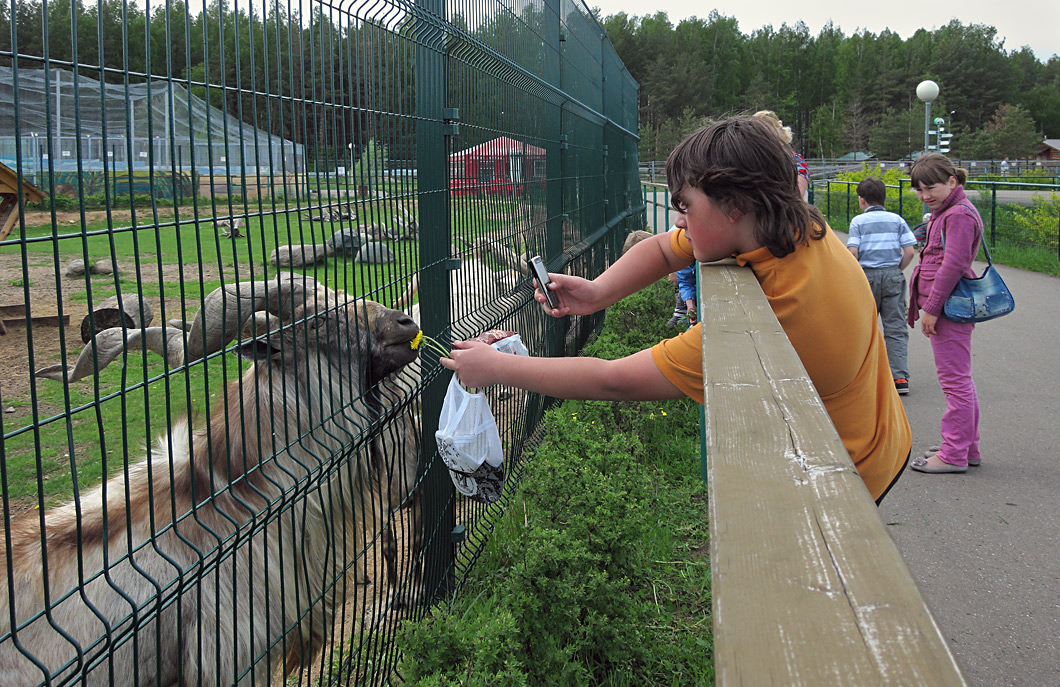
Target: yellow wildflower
[(415, 343)]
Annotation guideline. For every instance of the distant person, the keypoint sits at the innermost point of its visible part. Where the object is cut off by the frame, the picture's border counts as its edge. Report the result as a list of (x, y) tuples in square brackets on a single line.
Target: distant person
[(884, 245), (733, 186), (1004, 167), (686, 292), (940, 186), (633, 238), (784, 132), (680, 279), (684, 281)]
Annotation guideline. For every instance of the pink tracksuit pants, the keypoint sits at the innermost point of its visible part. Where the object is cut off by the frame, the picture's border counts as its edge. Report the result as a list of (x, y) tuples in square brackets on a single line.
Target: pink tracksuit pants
[(952, 346)]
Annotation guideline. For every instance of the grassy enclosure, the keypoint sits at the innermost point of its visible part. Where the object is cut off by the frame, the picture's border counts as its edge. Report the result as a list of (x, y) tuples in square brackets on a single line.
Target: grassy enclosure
[(303, 514), (173, 259)]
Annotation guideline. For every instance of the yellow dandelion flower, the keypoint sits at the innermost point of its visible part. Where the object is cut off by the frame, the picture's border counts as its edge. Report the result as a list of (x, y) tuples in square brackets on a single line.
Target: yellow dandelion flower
[(415, 343)]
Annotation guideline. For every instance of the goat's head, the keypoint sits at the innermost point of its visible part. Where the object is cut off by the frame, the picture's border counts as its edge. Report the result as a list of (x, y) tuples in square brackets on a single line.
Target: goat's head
[(349, 334), (265, 311)]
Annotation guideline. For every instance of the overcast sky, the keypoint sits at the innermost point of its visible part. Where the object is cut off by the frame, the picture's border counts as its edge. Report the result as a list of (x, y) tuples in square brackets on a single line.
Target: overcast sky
[(1034, 24)]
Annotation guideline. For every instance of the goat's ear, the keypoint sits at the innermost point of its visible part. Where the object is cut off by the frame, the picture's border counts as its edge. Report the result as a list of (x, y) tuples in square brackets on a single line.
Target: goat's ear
[(260, 348)]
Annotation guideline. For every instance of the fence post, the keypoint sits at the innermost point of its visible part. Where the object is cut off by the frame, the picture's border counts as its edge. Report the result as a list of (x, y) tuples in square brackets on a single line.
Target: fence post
[(439, 516), (556, 152), (993, 212)]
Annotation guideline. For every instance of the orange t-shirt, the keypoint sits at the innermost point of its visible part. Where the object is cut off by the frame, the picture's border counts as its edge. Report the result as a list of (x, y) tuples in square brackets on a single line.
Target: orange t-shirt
[(823, 302)]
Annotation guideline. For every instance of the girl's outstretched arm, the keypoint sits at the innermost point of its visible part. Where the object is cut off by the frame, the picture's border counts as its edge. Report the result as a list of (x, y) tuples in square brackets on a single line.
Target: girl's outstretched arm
[(644, 264), (633, 378)]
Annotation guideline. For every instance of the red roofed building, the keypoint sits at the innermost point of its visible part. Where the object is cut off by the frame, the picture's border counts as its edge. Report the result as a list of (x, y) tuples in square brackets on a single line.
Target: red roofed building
[(500, 167)]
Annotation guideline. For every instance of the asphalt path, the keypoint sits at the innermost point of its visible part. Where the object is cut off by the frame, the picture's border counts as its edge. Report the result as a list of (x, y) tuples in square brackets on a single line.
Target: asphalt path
[(984, 546)]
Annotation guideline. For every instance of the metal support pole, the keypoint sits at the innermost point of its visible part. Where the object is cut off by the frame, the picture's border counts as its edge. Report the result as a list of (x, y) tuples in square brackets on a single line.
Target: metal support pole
[(927, 126), (993, 212), (438, 513)]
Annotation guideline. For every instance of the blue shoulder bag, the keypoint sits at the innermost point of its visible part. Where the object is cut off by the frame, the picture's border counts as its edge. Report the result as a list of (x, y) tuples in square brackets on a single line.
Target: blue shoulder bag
[(980, 298)]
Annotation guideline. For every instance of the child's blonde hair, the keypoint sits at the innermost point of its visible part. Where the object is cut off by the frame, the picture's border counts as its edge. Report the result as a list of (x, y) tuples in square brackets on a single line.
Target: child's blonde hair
[(635, 237), (770, 116)]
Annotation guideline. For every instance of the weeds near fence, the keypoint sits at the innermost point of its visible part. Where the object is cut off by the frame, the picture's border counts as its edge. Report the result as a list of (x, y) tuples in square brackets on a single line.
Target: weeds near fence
[(598, 572)]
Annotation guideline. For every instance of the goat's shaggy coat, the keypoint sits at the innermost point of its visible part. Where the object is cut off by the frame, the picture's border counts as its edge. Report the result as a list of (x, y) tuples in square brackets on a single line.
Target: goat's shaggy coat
[(226, 554)]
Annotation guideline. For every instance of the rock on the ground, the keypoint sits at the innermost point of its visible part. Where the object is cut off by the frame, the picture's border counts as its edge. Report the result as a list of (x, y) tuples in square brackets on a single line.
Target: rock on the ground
[(375, 253)]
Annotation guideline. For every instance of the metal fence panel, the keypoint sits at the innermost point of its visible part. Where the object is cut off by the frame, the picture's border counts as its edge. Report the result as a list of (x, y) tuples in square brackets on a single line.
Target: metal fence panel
[(218, 463)]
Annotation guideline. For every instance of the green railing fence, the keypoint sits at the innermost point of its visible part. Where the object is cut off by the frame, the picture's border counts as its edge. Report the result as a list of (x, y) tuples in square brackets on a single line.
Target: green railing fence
[(226, 188), (1015, 213)]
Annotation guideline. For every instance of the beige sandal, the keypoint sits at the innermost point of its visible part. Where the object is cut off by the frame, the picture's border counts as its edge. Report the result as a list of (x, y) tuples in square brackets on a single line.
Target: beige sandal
[(972, 462), (938, 467)]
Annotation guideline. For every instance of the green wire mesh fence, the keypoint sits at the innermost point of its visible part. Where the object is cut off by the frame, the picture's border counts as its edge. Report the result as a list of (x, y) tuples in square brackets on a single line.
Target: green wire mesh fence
[(223, 227)]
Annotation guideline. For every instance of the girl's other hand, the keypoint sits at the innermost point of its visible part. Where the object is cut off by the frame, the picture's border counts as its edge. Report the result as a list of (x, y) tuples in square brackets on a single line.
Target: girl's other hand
[(927, 324)]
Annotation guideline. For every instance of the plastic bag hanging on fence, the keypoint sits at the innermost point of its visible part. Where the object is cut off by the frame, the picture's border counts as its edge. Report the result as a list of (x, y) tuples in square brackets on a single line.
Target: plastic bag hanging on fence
[(467, 436)]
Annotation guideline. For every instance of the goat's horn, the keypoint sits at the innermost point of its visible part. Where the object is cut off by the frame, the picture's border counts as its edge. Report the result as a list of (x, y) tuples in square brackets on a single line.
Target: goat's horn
[(225, 311), (110, 343), (225, 314)]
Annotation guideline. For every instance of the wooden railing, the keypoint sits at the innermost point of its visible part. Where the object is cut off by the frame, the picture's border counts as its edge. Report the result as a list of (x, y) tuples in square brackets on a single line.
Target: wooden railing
[(808, 587)]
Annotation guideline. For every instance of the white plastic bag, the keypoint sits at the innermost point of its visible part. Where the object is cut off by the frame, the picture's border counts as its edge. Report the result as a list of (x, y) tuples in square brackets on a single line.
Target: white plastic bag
[(467, 433), (470, 445), (511, 344), (467, 436)]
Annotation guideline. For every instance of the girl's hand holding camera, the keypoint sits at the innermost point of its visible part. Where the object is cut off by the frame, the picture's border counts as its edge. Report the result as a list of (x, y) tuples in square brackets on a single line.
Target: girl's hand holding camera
[(574, 295)]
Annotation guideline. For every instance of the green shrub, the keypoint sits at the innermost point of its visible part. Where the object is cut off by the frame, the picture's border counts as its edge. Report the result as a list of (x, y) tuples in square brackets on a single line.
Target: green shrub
[(893, 178), (1040, 222), (597, 576)]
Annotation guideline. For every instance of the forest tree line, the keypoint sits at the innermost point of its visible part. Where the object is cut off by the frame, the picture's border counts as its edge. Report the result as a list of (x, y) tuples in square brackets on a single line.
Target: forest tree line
[(329, 79), (838, 93)]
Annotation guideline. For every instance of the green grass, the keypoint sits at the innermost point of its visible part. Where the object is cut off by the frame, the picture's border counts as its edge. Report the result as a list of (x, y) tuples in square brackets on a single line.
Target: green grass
[(1031, 258), (75, 432), (178, 239)]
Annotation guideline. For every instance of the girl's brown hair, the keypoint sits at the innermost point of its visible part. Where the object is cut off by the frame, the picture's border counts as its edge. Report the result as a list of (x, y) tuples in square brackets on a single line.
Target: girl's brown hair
[(934, 168), (742, 164)]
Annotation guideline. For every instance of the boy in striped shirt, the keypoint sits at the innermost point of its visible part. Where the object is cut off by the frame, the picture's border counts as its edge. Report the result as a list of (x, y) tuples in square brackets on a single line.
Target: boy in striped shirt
[(883, 244)]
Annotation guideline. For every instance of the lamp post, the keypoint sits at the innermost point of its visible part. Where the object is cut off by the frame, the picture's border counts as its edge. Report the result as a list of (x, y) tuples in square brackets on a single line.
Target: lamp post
[(927, 91)]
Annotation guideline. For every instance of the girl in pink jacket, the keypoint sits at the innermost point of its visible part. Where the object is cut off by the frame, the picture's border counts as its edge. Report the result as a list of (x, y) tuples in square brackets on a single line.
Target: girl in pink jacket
[(950, 246)]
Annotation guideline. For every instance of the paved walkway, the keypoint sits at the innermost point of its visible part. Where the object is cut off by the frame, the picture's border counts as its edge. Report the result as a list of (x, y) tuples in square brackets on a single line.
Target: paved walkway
[(985, 546)]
